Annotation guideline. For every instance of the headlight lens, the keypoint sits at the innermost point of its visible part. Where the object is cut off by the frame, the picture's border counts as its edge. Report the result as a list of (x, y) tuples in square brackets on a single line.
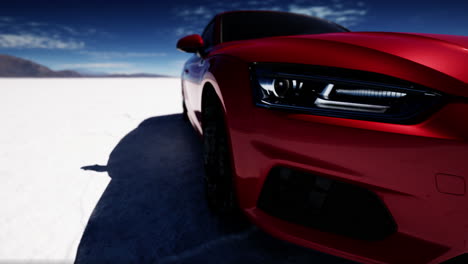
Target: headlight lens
[(323, 91)]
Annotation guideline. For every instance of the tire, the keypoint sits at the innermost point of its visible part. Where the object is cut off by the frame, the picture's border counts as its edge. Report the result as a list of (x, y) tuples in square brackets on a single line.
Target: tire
[(219, 187)]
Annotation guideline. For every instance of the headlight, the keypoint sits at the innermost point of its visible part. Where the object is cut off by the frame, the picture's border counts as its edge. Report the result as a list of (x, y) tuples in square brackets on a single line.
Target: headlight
[(341, 93)]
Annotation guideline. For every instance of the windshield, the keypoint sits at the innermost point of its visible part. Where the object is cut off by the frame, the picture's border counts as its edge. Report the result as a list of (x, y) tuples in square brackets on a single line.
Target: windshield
[(252, 25)]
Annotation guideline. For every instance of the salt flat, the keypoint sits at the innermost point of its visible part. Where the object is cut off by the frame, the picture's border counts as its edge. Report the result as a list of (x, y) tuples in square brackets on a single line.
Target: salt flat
[(49, 129)]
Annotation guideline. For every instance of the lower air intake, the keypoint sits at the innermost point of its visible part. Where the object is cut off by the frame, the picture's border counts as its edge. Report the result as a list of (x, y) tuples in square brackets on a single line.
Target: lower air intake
[(325, 204)]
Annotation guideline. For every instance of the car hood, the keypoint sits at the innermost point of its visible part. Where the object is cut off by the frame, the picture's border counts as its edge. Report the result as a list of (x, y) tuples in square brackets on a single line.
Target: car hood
[(431, 59)]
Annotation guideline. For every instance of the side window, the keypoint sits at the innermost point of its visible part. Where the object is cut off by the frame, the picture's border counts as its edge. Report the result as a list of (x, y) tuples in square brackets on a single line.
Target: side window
[(208, 35)]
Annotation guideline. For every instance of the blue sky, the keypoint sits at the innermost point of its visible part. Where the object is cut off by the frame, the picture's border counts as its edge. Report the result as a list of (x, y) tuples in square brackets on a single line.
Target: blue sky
[(140, 36)]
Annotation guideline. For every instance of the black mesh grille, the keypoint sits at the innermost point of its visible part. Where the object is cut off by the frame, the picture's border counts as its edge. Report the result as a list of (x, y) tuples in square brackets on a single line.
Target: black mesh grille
[(325, 204)]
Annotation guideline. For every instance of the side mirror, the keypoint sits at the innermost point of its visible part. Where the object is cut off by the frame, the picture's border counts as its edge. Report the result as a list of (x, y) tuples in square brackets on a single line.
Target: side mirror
[(190, 43)]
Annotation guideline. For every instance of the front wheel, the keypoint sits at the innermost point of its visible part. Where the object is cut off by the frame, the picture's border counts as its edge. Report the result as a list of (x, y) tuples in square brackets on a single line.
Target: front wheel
[(219, 187)]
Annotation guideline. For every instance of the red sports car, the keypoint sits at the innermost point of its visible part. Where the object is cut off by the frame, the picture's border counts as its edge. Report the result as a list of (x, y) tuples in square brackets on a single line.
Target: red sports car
[(351, 143)]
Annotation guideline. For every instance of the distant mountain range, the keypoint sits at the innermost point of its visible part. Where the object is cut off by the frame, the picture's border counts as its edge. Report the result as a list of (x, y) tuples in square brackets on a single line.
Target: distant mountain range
[(11, 66)]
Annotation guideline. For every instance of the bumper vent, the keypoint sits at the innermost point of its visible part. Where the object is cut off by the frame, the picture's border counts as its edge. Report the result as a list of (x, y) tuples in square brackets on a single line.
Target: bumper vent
[(325, 204)]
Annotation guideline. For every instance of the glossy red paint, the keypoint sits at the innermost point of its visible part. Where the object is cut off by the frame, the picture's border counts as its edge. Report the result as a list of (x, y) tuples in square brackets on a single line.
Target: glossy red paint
[(399, 163)]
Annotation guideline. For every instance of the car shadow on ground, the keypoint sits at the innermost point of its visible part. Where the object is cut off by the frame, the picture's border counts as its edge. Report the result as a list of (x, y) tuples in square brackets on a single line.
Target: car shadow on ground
[(153, 210)]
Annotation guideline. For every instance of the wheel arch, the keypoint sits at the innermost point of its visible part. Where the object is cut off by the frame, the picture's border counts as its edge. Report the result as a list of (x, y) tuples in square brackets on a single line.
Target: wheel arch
[(211, 94)]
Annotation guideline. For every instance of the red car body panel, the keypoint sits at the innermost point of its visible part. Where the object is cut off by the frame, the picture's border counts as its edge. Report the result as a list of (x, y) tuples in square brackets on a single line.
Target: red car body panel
[(417, 170)]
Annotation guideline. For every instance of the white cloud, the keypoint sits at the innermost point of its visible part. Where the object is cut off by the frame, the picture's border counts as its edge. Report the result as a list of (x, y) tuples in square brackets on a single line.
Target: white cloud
[(346, 17), (70, 30), (30, 41), (95, 65), (181, 31), (20, 33), (200, 11), (120, 55), (17, 26), (325, 11)]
